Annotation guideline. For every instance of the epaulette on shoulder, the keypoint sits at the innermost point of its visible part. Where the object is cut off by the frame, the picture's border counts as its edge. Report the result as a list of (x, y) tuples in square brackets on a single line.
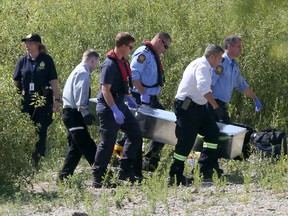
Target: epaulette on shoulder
[(146, 49)]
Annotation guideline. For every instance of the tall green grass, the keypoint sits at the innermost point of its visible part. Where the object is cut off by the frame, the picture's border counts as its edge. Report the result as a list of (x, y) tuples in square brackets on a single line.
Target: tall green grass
[(69, 27)]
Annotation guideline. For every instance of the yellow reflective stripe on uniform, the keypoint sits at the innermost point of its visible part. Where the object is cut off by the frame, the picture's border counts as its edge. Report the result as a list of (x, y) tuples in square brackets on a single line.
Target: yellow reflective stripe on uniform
[(210, 145), (179, 157), (76, 128), (223, 138)]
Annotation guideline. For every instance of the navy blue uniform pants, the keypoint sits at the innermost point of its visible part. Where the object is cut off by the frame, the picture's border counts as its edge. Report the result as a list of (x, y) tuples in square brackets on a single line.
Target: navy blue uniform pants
[(196, 120), (108, 133), (42, 117), (155, 147), (79, 141), (152, 155)]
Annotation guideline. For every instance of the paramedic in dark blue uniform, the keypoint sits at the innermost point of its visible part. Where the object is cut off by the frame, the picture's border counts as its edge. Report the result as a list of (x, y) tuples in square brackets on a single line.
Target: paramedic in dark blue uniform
[(115, 88), (193, 117), (76, 115), (226, 76), (35, 73), (148, 80)]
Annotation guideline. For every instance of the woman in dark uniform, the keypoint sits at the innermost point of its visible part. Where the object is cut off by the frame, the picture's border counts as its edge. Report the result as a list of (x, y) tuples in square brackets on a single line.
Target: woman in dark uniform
[(35, 75)]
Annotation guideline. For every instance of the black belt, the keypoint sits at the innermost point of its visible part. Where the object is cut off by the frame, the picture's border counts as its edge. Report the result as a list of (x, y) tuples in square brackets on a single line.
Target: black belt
[(71, 110), (220, 102), (192, 104)]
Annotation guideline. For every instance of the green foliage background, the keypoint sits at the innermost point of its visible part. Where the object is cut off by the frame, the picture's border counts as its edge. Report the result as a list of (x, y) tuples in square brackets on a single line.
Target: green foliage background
[(69, 27)]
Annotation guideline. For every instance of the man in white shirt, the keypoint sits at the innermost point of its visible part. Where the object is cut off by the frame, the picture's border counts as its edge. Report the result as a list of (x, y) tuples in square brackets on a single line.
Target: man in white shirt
[(193, 117)]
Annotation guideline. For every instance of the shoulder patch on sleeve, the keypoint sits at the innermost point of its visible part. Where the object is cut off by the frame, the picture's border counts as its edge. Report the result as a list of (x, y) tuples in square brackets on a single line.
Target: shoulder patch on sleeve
[(219, 70), (141, 58)]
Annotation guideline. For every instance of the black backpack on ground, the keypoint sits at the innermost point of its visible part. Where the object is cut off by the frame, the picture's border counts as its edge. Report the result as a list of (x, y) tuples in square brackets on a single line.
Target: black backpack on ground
[(246, 149), (269, 143)]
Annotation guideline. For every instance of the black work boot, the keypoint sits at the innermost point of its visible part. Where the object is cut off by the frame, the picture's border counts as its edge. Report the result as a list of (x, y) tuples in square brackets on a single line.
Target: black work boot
[(176, 174), (208, 162), (98, 177), (150, 164), (125, 173), (97, 180)]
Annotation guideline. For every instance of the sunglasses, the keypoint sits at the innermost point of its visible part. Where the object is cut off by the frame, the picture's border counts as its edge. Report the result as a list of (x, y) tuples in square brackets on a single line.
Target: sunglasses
[(131, 47), (164, 43)]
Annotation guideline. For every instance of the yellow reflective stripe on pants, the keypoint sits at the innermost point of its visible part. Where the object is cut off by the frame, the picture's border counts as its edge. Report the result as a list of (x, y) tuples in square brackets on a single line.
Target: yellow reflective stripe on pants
[(179, 157), (210, 145)]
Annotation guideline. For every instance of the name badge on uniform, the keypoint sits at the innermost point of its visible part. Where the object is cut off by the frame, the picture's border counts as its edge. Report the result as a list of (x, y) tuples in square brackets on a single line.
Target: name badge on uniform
[(31, 87)]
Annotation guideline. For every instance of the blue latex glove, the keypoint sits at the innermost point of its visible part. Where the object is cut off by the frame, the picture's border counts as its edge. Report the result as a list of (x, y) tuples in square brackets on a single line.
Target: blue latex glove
[(258, 105), (131, 102), (145, 99), (118, 115)]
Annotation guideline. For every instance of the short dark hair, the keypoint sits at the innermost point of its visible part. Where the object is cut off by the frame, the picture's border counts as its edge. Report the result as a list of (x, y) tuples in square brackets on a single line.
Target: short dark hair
[(90, 53), (212, 49), (164, 36), (231, 39), (124, 38)]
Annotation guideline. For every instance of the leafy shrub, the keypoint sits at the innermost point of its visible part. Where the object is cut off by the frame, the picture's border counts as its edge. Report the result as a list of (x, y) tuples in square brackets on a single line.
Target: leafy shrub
[(17, 135)]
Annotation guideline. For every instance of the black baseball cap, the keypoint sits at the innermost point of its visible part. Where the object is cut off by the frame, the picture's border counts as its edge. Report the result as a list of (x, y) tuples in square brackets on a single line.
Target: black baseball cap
[(32, 37)]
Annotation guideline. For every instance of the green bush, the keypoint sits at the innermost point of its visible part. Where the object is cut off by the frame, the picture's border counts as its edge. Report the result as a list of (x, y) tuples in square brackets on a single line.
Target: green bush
[(17, 135)]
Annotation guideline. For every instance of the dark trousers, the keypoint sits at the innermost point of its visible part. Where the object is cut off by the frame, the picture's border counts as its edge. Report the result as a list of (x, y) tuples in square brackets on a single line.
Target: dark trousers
[(79, 141), (196, 119), (152, 155), (41, 116), (108, 133), (155, 147)]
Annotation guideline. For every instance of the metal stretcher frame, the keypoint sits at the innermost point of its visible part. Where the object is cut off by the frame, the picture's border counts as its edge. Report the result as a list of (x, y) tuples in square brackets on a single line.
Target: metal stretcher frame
[(159, 125)]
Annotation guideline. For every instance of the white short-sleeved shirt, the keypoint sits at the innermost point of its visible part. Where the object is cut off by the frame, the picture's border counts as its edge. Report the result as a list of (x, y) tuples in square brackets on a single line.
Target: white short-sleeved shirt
[(196, 81)]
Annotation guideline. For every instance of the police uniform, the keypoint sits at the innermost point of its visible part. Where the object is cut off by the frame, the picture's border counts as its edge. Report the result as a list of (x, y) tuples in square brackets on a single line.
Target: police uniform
[(111, 74), (34, 77), (144, 67), (75, 98), (193, 117), (225, 77)]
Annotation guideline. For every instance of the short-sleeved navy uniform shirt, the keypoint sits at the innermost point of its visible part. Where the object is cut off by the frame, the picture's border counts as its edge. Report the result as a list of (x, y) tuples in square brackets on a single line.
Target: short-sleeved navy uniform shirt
[(40, 72), (110, 74)]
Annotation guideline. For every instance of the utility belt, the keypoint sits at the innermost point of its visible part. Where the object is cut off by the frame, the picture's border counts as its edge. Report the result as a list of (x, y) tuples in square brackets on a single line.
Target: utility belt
[(43, 91), (187, 103), (70, 110)]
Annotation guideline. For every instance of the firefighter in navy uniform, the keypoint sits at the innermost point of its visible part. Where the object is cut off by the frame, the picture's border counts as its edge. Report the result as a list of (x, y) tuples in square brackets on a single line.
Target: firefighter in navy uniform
[(35, 73), (193, 117), (76, 115), (115, 87)]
